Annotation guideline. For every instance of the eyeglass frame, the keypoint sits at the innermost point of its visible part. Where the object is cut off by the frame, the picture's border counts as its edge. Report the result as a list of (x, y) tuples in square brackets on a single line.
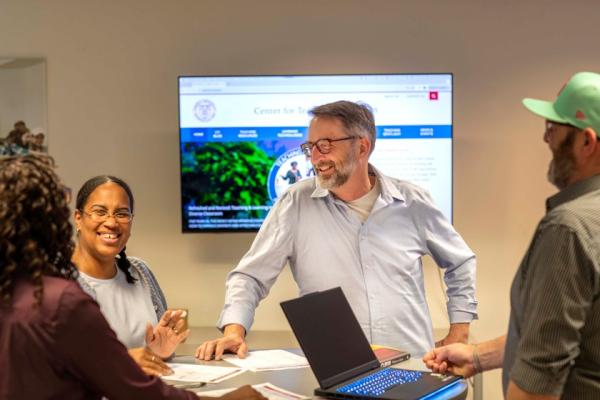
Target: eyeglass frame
[(94, 215), (307, 147), (551, 124)]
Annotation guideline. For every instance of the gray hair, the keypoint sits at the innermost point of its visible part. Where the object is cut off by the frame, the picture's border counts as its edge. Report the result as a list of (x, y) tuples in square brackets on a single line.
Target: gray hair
[(357, 118)]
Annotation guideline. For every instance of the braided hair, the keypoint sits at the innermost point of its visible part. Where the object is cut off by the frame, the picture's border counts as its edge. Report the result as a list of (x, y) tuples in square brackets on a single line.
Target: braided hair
[(82, 196), (35, 232)]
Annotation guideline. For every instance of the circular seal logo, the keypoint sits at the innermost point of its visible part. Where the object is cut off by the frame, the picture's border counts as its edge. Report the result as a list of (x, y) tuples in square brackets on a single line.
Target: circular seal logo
[(205, 110), (289, 168)]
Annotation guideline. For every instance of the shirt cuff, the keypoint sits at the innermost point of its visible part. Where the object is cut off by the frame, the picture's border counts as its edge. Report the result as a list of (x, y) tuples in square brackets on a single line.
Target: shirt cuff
[(236, 314), (462, 312), (546, 381)]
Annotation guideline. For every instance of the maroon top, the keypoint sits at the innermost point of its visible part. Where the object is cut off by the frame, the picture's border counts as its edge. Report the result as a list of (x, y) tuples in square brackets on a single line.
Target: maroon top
[(66, 350)]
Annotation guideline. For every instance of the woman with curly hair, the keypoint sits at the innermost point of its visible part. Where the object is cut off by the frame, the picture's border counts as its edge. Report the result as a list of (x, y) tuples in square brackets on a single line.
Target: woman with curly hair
[(125, 288), (54, 341)]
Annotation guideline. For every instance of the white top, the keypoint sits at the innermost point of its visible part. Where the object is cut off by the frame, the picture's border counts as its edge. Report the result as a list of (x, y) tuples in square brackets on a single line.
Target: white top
[(126, 307), (363, 206)]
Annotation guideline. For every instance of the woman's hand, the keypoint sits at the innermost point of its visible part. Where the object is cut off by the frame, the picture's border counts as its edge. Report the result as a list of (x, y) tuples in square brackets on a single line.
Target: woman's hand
[(150, 363), (167, 334)]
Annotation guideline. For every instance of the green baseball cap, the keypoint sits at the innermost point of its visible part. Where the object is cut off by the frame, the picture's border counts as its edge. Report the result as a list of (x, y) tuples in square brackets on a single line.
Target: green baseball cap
[(577, 104)]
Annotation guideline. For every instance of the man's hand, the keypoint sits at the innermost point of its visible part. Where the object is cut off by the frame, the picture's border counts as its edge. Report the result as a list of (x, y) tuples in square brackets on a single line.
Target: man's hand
[(458, 333), (456, 358), (150, 363), (232, 340), (167, 334), (467, 360)]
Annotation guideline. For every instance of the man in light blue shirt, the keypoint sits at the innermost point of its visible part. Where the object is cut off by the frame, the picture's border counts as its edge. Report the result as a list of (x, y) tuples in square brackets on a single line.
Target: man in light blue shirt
[(353, 227)]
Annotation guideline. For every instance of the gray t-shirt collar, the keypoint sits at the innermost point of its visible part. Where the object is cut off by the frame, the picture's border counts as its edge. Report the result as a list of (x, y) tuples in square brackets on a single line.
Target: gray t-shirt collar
[(388, 191)]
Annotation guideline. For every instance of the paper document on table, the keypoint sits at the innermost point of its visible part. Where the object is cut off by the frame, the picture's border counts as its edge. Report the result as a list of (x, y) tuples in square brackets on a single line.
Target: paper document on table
[(200, 373), (265, 360), (268, 390)]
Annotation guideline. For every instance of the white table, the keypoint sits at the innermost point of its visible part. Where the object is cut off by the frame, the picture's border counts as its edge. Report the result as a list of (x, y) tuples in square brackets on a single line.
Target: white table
[(301, 381)]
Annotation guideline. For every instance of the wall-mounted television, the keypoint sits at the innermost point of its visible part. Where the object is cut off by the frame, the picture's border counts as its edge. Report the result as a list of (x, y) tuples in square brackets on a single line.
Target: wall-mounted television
[(239, 136)]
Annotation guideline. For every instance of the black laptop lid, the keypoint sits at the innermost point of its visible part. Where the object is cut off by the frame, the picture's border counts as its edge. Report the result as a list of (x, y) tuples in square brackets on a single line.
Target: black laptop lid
[(330, 336)]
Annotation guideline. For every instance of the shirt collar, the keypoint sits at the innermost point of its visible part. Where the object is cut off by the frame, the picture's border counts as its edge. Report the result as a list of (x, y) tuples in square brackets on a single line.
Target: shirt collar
[(319, 191), (388, 190), (573, 191)]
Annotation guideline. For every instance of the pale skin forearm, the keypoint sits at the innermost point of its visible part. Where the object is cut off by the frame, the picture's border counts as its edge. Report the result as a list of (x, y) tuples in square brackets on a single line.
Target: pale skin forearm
[(234, 329), (458, 333), (491, 353), (466, 360)]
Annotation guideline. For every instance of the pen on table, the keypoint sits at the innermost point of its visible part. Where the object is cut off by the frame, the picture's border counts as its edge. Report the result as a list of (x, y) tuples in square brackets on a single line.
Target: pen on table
[(190, 385)]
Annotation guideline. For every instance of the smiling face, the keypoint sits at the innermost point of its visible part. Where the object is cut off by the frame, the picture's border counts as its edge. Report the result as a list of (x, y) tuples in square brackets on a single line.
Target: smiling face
[(334, 168), (103, 240)]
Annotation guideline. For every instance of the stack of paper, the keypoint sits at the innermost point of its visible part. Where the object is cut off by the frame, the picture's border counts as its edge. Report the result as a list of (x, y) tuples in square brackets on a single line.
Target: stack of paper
[(200, 373), (265, 360)]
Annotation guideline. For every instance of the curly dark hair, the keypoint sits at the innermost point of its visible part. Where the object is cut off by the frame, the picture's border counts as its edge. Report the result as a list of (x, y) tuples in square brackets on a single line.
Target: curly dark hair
[(35, 232), (82, 197)]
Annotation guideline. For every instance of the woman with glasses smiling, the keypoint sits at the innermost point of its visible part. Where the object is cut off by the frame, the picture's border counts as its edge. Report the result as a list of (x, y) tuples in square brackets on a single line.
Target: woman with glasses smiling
[(54, 342), (124, 287)]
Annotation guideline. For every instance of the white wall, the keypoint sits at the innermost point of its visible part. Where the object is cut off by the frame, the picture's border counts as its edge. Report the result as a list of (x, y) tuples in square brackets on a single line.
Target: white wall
[(112, 108)]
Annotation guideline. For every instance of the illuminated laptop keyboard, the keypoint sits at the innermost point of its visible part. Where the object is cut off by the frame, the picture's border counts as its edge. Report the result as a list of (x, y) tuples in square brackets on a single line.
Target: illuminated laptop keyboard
[(377, 383)]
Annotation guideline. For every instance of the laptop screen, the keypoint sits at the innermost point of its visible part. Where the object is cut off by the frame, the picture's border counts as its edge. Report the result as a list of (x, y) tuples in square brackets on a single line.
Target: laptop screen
[(329, 334)]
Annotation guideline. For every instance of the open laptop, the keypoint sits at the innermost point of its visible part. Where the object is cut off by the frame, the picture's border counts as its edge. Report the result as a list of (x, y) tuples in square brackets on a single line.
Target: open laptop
[(341, 358)]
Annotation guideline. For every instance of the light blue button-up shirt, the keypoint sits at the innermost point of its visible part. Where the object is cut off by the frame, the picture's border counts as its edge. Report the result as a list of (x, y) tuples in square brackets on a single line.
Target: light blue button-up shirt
[(377, 263)]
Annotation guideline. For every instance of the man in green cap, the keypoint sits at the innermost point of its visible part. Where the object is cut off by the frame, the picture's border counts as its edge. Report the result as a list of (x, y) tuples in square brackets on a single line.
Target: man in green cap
[(552, 349)]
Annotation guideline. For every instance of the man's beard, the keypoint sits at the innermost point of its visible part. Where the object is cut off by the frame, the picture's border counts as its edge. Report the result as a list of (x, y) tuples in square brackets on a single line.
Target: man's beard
[(561, 167), (340, 175)]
